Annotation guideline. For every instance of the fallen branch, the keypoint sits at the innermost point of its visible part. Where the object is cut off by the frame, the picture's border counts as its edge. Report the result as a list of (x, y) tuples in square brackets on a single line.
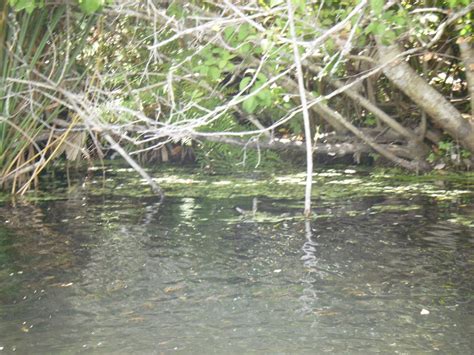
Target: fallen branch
[(282, 144)]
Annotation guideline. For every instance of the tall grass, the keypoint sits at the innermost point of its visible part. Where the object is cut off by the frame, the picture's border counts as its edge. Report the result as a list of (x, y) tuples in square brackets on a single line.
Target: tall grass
[(35, 127)]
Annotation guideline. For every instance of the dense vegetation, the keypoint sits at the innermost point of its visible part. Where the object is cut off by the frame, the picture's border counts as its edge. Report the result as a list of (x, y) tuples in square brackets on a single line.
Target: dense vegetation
[(227, 82)]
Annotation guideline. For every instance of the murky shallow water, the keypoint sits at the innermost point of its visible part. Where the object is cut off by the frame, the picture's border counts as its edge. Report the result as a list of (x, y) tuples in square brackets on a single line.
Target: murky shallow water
[(106, 273)]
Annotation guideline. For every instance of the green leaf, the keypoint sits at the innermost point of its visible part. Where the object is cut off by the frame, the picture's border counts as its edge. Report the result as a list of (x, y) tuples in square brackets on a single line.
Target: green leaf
[(243, 32), (389, 37), (229, 67), (229, 32), (377, 6), (27, 5), (327, 22), (214, 73), (250, 104), (274, 3), (202, 69), (452, 3), (210, 61), (400, 20), (244, 82), (262, 77), (376, 28), (91, 6), (299, 4), (330, 44), (222, 63), (296, 126), (265, 96), (245, 49), (329, 67)]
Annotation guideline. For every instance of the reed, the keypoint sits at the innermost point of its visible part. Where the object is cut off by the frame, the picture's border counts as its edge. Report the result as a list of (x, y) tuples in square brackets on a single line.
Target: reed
[(35, 127)]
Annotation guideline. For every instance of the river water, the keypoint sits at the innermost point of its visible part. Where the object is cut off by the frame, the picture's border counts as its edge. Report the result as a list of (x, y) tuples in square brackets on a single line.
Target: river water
[(99, 267)]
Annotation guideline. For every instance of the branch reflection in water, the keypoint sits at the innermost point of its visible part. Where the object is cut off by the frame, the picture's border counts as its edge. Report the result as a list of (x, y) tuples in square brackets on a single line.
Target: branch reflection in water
[(315, 272)]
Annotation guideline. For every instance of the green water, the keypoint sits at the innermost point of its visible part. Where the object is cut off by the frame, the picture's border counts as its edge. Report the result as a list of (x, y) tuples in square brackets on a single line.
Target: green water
[(96, 266)]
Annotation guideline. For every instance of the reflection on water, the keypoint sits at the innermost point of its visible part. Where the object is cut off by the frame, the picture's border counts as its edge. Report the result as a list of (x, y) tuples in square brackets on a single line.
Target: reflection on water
[(124, 275)]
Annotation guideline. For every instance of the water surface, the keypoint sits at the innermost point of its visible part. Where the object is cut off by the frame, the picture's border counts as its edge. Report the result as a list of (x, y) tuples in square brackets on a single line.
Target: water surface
[(104, 270)]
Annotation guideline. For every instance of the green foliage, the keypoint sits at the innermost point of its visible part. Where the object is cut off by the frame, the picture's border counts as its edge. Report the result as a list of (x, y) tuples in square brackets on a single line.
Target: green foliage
[(389, 24), (187, 78), (448, 152), (32, 42), (242, 38), (221, 157), (299, 4), (377, 6), (261, 99), (455, 3), (296, 126), (214, 62), (370, 120), (27, 5), (215, 156), (445, 146), (88, 6)]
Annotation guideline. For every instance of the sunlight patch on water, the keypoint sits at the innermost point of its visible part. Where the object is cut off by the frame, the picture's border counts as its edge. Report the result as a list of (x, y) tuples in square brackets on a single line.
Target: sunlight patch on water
[(173, 179), (187, 208), (328, 174), (222, 183), (290, 179), (345, 182)]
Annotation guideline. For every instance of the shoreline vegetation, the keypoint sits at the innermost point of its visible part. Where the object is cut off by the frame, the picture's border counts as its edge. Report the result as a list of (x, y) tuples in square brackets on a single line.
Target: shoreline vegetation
[(232, 84)]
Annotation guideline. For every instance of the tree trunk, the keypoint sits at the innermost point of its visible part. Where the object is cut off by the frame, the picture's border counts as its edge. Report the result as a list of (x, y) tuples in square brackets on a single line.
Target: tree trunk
[(334, 117), (325, 111), (441, 111), (467, 55)]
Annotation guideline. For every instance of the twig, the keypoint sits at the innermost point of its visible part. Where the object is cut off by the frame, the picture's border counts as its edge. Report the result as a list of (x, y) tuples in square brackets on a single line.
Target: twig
[(304, 105), (154, 186)]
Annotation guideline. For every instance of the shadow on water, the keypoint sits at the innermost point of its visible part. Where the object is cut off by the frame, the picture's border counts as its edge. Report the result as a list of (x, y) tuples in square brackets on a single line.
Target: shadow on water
[(111, 274)]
